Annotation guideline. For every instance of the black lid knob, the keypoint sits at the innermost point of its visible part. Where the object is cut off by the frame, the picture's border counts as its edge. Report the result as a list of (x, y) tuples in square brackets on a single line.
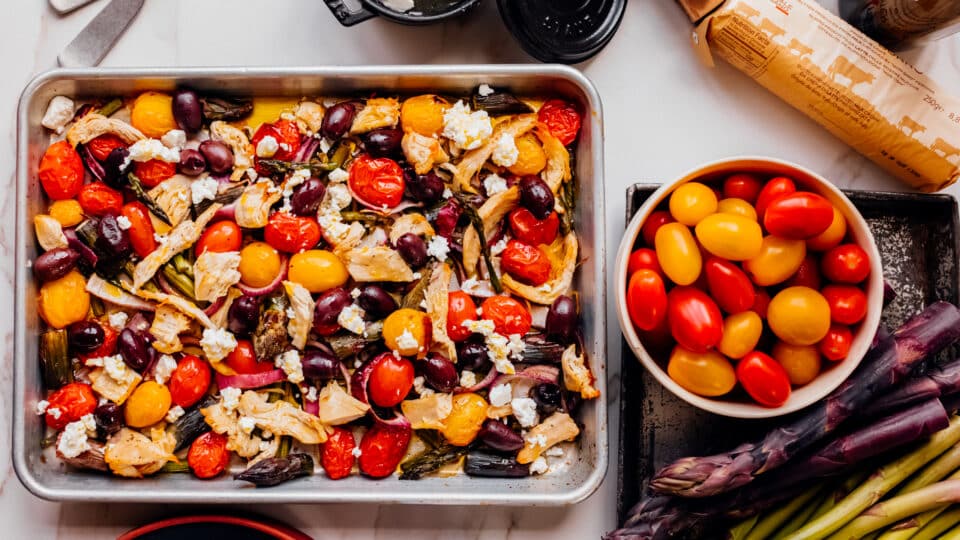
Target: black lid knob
[(566, 31)]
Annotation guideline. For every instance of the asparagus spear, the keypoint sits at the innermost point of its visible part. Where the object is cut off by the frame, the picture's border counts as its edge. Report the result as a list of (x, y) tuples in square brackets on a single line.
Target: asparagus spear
[(927, 333), (773, 521), (939, 382), (741, 530), (839, 493), (936, 528), (797, 521), (897, 508), (908, 528)]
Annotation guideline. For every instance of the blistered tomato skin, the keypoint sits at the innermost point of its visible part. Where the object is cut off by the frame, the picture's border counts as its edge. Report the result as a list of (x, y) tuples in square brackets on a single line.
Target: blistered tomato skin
[(694, 318), (773, 190), (643, 258), (646, 299), (208, 455), (460, 308), (728, 285), (508, 315), (742, 186), (734, 238), (652, 225), (390, 381), (831, 237), (220, 237), (737, 207), (61, 171), (798, 216), (530, 230), (691, 202), (189, 381), (463, 423), (835, 346), (741, 333), (764, 379), (779, 259), (705, 374), (801, 362), (377, 181), (846, 263), (528, 264), (561, 118), (799, 315), (848, 303), (678, 253), (291, 234)]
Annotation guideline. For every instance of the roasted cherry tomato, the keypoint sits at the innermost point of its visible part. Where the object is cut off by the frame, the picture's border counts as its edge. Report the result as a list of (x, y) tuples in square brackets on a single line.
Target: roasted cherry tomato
[(742, 186), (695, 320), (779, 259), (189, 381), (799, 315), (528, 264), (760, 303), (643, 258), (377, 181), (831, 237), (846, 263), (705, 374), (285, 133), (101, 146), (408, 332), (508, 315), (107, 348), (336, 455), (691, 202), (290, 233), (243, 359), (69, 403), (61, 171), (220, 237), (835, 346), (728, 285), (798, 216), (154, 171), (808, 275), (463, 424), (141, 228), (390, 381), (734, 238), (848, 303), (737, 207), (801, 362), (741, 333), (653, 223), (381, 449), (460, 308), (771, 191), (208, 455), (678, 253), (99, 199), (531, 230), (646, 299), (764, 379), (561, 118)]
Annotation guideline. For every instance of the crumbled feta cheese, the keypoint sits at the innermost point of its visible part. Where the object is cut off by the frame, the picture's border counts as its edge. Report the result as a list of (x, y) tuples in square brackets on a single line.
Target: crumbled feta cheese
[(447, 193), (117, 320), (468, 130), (54, 412), (468, 379), (247, 424), (94, 362), (325, 145), (164, 368), (338, 176), (59, 113), (147, 149), (351, 318), (267, 147), (298, 177), (160, 238), (525, 411), (73, 440), (174, 414), (217, 343), (266, 434), (538, 440), (402, 6), (123, 222), (499, 247), (115, 367), (355, 293), (356, 452), (423, 304), (204, 188), (539, 466), (43, 404), (289, 362), (438, 248), (485, 90), (501, 395), (419, 384), (340, 197), (498, 350), (175, 138), (516, 346), (230, 397), (494, 184), (407, 342), (291, 313), (311, 393), (505, 151), (554, 451), (252, 174), (417, 275), (482, 326)]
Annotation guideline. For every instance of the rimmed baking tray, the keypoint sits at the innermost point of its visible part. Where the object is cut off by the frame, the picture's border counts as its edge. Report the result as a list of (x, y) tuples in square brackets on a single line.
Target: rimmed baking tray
[(49, 479)]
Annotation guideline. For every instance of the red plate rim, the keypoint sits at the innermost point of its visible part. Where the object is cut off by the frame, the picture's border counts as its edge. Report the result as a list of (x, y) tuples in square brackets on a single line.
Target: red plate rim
[(279, 531)]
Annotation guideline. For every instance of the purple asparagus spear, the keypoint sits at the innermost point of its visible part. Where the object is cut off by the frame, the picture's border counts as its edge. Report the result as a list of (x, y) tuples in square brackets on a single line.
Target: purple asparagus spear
[(938, 382)]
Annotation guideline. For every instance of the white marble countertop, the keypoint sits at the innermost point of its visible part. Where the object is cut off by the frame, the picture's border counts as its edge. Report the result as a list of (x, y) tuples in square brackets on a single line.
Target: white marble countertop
[(664, 114)]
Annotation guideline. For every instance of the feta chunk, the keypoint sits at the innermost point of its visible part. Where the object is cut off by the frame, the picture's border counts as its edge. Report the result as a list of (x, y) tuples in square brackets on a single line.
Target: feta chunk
[(505, 151), (311, 394), (539, 466), (494, 184), (59, 113), (289, 362), (468, 130), (525, 411), (247, 424), (73, 440), (267, 147), (43, 404), (406, 341), (554, 451), (147, 149), (174, 414), (123, 222), (485, 90), (117, 320), (356, 452), (468, 379), (338, 176), (483, 326), (351, 318), (175, 138), (217, 343), (447, 193), (438, 248), (115, 367), (420, 385), (499, 247), (54, 412), (204, 189), (164, 368), (230, 398), (501, 395)]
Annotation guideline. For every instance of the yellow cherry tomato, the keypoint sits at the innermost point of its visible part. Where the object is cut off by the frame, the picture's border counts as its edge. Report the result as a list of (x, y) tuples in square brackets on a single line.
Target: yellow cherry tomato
[(737, 207), (799, 315), (531, 158), (801, 362), (267, 110), (692, 202), (67, 211), (423, 114), (147, 405), (407, 331), (152, 114), (259, 264), (831, 237), (705, 374), (741, 333), (779, 258), (317, 270), (678, 253), (731, 237), (463, 423), (64, 301)]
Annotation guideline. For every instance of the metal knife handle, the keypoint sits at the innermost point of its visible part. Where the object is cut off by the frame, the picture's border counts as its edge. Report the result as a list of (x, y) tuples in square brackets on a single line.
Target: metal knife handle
[(93, 42)]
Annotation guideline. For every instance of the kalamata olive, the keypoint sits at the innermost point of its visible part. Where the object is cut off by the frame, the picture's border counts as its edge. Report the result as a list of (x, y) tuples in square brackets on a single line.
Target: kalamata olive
[(425, 188), (84, 336), (115, 167), (108, 419), (413, 249), (307, 197), (55, 264), (218, 155), (192, 162), (472, 354), (383, 142), (547, 397), (571, 402), (535, 196), (135, 349), (328, 308), (376, 301), (187, 110), (111, 238), (338, 120), (440, 373), (243, 315), (562, 319), (319, 364), (500, 437)]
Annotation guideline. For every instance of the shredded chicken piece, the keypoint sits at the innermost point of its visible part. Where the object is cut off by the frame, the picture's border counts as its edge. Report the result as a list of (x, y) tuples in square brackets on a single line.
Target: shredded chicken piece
[(474, 159), (214, 274), (557, 170), (380, 263), (272, 446), (336, 407), (49, 232), (94, 125), (109, 292), (497, 413), (168, 324), (253, 206), (561, 276), (556, 429), (377, 113), (227, 423), (309, 115), (282, 418), (132, 454), (219, 319), (173, 196), (428, 412), (576, 375), (238, 142), (410, 223), (436, 296), (349, 240), (184, 305), (180, 238), (422, 152), (116, 391), (301, 304), (492, 213)]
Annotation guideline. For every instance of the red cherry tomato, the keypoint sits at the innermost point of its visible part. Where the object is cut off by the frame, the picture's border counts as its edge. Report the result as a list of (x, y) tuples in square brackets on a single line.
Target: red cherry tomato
[(189, 381), (798, 216), (846, 263), (61, 171), (101, 146), (643, 258), (70, 403), (243, 359), (764, 379), (336, 455), (835, 346), (531, 230), (287, 135), (760, 303), (742, 186), (460, 308), (390, 381), (848, 304), (729, 285), (208, 455), (141, 228), (659, 339), (528, 264), (99, 199), (771, 191), (382, 448), (508, 315), (561, 118), (653, 223), (695, 320), (290, 233), (220, 237), (377, 181), (152, 172), (808, 275), (646, 299), (107, 348)]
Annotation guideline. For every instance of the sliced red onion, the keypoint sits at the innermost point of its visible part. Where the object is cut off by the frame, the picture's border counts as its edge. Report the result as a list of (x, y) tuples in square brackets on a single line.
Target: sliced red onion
[(308, 145), (274, 285), (359, 391), (165, 285), (379, 210), (523, 381), (487, 381), (311, 407), (215, 307), (249, 381), (77, 245), (91, 162)]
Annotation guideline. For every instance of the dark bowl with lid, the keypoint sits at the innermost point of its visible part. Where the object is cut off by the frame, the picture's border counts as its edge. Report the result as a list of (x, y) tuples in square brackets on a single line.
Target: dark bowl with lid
[(564, 31), (399, 11)]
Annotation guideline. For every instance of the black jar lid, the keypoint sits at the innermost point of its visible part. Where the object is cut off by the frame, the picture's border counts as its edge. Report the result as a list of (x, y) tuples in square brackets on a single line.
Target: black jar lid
[(566, 31)]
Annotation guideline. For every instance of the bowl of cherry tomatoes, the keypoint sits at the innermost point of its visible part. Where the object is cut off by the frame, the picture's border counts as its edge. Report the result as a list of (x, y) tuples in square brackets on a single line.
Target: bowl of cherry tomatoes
[(749, 287)]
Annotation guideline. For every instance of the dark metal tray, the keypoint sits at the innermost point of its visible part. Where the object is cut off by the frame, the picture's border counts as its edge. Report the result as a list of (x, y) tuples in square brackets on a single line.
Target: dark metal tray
[(917, 236)]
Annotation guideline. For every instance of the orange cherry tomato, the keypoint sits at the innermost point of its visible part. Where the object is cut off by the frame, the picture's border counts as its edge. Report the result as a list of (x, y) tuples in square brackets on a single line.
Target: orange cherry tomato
[(508, 315), (141, 228), (678, 253), (695, 320), (243, 359), (290, 233), (381, 449), (221, 237), (390, 381), (287, 135), (808, 275), (646, 299), (460, 308), (742, 186), (652, 225), (771, 191), (377, 181), (528, 264), (705, 374), (101, 146), (152, 172), (531, 230), (72, 402), (61, 171), (848, 303), (846, 263), (764, 379), (835, 346), (189, 381), (729, 285), (798, 216), (643, 258), (208, 455), (561, 118), (99, 199)]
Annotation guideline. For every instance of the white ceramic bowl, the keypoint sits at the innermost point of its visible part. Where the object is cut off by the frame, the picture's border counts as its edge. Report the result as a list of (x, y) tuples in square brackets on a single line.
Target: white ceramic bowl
[(856, 229)]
